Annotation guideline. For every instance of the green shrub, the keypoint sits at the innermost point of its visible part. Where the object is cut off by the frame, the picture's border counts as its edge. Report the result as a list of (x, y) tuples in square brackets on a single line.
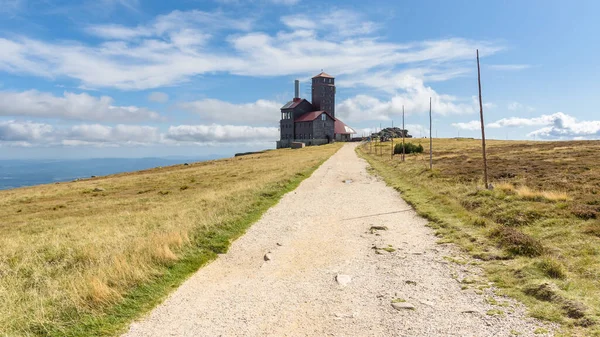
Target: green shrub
[(408, 148)]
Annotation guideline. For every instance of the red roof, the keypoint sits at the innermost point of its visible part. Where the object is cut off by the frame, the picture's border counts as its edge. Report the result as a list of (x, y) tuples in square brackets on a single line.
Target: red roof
[(341, 128), (323, 74), (292, 104), (311, 116)]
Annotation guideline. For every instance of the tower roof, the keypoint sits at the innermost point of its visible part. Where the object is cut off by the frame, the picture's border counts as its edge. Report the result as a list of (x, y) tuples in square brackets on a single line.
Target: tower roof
[(323, 74)]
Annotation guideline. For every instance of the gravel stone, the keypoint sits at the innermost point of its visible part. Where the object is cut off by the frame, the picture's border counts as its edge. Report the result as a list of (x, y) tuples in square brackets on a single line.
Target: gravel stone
[(403, 306), (343, 280)]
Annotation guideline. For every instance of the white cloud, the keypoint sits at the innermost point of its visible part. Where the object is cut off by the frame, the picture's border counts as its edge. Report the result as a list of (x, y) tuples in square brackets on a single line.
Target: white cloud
[(159, 97), (509, 67), (71, 106), (472, 125), (42, 134), (338, 22), (222, 134), (194, 21), (556, 126), (563, 126), (214, 110), (173, 48), (16, 133), (119, 134), (415, 99), (520, 122), (516, 106), (24, 132)]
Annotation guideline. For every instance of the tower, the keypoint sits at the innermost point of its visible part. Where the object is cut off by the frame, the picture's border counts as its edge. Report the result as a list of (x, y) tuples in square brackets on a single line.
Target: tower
[(323, 93)]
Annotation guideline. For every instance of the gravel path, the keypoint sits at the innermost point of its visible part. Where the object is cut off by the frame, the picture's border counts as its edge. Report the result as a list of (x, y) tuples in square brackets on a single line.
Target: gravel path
[(330, 276)]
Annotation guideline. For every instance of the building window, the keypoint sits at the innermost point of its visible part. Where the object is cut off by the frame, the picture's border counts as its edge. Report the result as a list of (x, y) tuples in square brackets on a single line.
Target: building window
[(310, 136), (323, 117)]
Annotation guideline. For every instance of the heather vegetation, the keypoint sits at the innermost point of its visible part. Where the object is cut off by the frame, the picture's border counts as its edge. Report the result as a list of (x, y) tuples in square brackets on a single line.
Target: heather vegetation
[(86, 257), (536, 232)]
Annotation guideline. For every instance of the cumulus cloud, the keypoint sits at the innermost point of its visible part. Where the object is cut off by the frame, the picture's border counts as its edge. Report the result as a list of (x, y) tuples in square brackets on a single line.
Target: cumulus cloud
[(556, 126), (71, 106), (563, 126), (120, 134), (19, 133), (11, 131), (222, 134), (472, 125), (159, 97), (414, 98), (42, 134), (214, 110), (174, 47)]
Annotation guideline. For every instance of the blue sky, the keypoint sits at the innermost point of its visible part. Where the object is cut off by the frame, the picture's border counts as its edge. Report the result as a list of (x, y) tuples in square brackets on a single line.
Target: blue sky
[(133, 78)]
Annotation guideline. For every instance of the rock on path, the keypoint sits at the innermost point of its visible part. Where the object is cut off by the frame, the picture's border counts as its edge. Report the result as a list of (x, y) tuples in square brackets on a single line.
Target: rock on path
[(323, 230)]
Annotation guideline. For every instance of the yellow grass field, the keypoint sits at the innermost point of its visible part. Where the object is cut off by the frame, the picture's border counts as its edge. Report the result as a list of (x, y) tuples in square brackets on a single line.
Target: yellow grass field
[(537, 233), (84, 258)]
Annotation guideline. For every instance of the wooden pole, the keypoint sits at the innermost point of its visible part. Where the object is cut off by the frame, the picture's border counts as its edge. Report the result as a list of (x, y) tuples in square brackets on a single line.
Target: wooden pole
[(430, 140), (485, 173), (392, 156), (403, 131)]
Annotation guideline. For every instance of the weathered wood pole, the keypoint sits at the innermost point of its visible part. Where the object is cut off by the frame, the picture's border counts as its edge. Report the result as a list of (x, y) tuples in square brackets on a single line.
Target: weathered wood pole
[(403, 131), (485, 173), (392, 156), (430, 139)]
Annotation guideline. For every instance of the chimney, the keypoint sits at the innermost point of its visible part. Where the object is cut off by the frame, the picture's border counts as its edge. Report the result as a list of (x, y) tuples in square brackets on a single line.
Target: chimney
[(296, 89)]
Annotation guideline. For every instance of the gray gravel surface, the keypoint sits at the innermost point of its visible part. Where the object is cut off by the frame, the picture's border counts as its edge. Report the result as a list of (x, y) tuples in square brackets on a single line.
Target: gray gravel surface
[(329, 274)]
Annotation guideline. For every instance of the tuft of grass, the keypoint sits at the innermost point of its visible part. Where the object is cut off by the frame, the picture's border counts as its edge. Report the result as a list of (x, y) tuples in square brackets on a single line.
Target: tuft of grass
[(516, 242), (528, 194), (495, 312), (552, 268), (90, 268)]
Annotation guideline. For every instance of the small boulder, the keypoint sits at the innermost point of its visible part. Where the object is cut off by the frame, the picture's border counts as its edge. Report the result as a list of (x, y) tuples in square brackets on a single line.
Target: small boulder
[(403, 306), (268, 257), (470, 311), (343, 280), (98, 189)]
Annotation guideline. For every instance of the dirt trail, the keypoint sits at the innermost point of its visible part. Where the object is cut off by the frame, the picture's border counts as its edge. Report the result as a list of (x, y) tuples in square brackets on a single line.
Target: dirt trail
[(316, 232)]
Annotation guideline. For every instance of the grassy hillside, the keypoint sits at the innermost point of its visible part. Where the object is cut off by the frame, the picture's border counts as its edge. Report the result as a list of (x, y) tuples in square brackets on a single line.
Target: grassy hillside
[(537, 233), (84, 258)]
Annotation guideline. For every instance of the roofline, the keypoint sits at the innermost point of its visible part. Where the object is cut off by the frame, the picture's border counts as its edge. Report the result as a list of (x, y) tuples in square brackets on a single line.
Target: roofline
[(323, 74)]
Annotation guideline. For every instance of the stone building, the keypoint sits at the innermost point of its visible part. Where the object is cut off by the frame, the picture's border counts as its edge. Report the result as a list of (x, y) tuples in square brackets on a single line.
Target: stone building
[(313, 123)]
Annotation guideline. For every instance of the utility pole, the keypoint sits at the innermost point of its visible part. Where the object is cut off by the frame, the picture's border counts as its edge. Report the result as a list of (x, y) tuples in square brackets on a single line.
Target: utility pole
[(430, 140), (403, 131), (392, 156), (485, 173)]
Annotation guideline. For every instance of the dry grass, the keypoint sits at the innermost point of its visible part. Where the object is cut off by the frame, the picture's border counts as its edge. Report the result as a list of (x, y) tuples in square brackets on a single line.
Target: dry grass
[(67, 252), (540, 224)]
